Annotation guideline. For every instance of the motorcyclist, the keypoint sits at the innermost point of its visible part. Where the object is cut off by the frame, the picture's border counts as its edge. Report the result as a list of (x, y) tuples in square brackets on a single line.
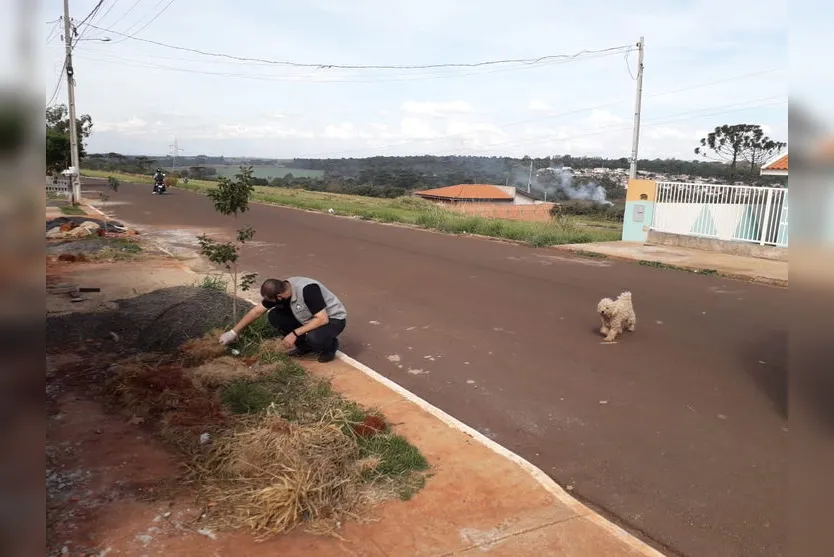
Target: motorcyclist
[(158, 179)]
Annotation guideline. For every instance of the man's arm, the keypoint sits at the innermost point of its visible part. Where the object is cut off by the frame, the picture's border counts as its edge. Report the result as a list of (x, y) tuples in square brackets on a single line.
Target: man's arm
[(254, 313), (251, 315)]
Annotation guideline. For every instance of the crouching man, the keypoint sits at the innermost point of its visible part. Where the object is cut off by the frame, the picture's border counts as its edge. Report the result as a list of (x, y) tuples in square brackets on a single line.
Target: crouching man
[(308, 315)]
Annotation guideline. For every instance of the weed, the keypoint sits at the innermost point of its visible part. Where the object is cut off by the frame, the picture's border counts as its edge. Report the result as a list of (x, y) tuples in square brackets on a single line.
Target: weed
[(72, 210), (661, 265), (213, 282), (246, 397), (590, 254), (398, 456), (251, 337)]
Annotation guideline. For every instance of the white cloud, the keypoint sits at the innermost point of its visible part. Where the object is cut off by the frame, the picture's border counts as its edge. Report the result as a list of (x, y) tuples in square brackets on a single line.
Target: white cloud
[(415, 128), (345, 130), (538, 105), (603, 119), (132, 126), (437, 109)]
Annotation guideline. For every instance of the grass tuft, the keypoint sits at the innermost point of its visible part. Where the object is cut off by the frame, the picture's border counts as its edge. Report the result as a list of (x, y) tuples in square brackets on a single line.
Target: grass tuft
[(73, 210), (214, 282), (661, 265)]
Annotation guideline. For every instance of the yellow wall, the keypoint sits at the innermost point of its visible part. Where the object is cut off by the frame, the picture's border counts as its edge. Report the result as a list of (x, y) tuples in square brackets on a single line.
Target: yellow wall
[(636, 188)]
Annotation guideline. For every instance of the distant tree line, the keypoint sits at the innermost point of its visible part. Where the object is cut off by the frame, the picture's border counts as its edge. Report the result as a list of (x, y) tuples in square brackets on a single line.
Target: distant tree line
[(396, 176)]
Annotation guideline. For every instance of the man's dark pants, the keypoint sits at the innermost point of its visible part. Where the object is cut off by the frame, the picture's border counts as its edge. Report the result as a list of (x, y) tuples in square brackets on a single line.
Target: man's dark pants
[(318, 340)]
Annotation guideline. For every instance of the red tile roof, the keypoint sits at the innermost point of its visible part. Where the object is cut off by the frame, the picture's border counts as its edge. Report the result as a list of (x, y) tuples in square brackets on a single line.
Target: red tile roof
[(467, 191), (779, 164)]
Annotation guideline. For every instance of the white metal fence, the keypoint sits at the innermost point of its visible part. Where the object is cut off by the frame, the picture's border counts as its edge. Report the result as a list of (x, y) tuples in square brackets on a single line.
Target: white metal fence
[(738, 213), (58, 185)]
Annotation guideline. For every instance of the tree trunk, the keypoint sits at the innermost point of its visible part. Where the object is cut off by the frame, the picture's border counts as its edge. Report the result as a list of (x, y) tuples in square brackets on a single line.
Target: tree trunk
[(733, 165), (234, 293)]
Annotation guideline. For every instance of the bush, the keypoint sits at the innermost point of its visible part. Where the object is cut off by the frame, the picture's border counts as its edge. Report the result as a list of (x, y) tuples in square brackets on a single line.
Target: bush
[(170, 181), (580, 207)]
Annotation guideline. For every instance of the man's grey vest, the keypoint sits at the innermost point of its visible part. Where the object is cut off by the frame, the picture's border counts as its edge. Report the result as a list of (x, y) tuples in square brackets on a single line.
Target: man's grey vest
[(335, 308)]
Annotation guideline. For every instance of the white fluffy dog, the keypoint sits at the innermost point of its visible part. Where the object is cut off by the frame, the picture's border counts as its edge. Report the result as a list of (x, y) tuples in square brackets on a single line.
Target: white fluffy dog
[(617, 315)]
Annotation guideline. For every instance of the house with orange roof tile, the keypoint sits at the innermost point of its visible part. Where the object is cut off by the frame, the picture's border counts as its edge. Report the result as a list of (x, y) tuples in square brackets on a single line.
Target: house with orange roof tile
[(776, 167), (478, 193)]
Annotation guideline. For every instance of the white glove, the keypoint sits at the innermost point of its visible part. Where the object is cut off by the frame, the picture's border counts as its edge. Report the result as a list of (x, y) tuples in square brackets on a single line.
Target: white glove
[(227, 337)]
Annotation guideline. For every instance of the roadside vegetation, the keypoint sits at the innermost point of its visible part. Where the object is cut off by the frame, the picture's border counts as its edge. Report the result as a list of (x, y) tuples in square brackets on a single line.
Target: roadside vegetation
[(562, 229)]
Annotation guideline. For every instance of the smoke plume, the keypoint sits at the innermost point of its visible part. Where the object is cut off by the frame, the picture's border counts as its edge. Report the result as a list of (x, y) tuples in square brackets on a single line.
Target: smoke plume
[(556, 184)]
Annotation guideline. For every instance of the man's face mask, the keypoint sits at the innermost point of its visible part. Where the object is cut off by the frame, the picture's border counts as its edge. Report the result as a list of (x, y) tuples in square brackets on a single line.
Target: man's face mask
[(278, 301)]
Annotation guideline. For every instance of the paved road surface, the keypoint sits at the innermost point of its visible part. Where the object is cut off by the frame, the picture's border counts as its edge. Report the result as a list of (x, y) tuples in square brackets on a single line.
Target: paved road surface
[(677, 432)]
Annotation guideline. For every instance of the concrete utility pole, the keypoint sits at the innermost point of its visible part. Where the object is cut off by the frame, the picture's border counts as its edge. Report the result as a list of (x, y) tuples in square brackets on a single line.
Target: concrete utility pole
[(75, 176), (638, 101), (530, 177)]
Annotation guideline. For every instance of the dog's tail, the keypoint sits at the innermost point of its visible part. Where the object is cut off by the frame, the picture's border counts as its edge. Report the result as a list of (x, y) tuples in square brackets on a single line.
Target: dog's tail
[(626, 295)]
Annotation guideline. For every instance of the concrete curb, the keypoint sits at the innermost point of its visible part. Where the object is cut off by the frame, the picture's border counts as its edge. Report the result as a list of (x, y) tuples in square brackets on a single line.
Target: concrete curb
[(769, 281), (544, 480)]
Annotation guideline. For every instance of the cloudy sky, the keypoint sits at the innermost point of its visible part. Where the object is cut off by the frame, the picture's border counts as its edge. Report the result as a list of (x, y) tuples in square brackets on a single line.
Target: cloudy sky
[(708, 62)]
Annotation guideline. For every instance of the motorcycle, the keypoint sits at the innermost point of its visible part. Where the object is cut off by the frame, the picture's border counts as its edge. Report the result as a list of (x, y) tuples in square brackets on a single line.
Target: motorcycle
[(159, 187)]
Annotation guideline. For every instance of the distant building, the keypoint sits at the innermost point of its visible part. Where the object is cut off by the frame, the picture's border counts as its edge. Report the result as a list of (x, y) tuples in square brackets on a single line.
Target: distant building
[(778, 167), (478, 193)]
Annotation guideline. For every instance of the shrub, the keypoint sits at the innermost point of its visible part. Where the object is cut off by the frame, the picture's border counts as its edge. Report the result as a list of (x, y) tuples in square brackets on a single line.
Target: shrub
[(170, 181)]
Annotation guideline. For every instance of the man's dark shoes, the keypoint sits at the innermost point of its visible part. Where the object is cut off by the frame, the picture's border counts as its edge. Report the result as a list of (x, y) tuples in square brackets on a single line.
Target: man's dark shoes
[(298, 352), (329, 355)]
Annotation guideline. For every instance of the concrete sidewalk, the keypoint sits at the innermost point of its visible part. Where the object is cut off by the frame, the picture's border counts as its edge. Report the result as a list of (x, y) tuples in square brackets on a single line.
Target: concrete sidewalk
[(733, 266), (481, 498)]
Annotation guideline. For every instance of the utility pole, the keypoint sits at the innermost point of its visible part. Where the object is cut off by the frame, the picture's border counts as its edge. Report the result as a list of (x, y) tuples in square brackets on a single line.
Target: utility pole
[(638, 101), (75, 176), (530, 177)]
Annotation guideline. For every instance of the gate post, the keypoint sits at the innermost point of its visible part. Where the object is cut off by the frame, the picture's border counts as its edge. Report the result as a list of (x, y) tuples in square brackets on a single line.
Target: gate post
[(766, 217), (639, 210)]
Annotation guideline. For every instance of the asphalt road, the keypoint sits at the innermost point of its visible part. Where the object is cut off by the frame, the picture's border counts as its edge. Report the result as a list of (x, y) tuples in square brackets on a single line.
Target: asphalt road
[(678, 432)]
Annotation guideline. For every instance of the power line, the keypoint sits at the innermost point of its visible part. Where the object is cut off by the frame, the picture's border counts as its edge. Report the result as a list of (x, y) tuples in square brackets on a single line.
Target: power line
[(128, 34), (295, 78), (154, 18), (52, 32), (525, 61), (121, 17), (108, 10), (92, 12), (138, 21), (83, 21), (58, 86)]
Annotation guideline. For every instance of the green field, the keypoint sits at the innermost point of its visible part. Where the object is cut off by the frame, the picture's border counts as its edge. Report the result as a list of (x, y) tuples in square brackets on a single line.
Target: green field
[(416, 212), (268, 171)]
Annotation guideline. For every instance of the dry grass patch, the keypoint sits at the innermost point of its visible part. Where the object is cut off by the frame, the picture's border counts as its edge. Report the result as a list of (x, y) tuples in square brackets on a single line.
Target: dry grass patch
[(284, 450), (271, 475)]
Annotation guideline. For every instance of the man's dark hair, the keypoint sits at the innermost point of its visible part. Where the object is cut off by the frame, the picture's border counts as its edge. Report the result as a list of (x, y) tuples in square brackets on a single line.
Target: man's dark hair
[(273, 287)]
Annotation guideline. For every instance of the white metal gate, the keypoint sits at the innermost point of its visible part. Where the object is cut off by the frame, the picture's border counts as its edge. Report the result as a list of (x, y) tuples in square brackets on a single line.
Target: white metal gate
[(736, 213)]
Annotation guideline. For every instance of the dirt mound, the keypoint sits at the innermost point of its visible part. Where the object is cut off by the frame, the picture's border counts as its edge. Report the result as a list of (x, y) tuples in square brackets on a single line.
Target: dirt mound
[(159, 321), (188, 313)]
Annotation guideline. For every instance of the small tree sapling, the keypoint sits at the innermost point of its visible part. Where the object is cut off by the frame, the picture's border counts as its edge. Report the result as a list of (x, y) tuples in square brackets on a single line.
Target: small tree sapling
[(231, 197)]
